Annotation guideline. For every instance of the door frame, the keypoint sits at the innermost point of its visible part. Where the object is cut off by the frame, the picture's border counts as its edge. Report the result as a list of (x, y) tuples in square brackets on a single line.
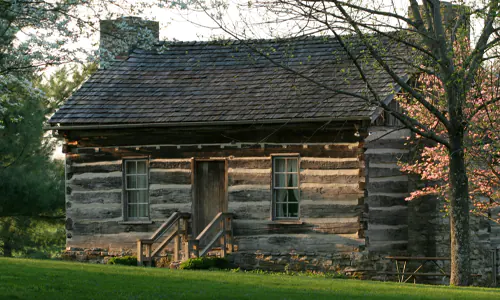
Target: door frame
[(194, 161)]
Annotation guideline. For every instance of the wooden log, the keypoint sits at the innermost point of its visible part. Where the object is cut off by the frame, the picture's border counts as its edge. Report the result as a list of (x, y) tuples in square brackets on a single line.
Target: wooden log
[(250, 163), (309, 243), (320, 163), (259, 227), (376, 172), (164, 211), (392, 216), (325, 226), (334, 199), (258, 210), (251, 177), (386, 155), (170, 193), (96, 181), (90, 157), (111, 227), (316, 209), (387, 186), (103, 197), (386, 199), (170, 176), (245, 193), (333, 151), (315, 191), (330, 176), (337, 228), (95, 167), (94, 212), (170, 163), (297, 133)]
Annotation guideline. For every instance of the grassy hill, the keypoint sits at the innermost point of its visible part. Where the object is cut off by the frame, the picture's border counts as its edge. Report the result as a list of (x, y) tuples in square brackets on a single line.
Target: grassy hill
[(43, 279)]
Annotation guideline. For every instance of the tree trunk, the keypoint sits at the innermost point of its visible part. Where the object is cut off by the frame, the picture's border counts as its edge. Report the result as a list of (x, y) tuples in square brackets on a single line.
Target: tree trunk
[(459, 214), (7, 249)]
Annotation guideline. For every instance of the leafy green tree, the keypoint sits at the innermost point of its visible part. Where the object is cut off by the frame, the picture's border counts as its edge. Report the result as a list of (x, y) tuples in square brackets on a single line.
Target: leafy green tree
[(59, 86), (31, 182)]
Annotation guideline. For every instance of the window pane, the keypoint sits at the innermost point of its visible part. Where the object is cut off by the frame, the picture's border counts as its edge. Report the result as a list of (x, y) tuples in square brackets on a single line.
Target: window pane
[(292, 180), (141, 167), (143, 210), (281, 210), (293, 196), (131, 167), (292, 165), (293, 210), (142, 196), (133, 211), (142, 181), (131, 182), (279, 165), (133, 196), (280, 195), (279, 180)]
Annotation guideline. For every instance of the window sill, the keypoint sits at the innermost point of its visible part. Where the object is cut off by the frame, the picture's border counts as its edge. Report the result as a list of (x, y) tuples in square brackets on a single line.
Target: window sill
[(286, 222), (138, 222)]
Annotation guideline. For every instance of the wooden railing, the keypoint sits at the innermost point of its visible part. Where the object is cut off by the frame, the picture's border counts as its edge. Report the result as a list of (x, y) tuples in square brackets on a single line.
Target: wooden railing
[(222, 223), (176, 226)]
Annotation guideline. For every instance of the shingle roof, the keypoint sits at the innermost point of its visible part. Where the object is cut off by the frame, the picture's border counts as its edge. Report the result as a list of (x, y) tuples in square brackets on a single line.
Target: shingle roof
[(221, 81)]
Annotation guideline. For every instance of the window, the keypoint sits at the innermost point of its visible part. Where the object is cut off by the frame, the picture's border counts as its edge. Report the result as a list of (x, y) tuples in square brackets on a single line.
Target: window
[(136, 189), (286, 188)]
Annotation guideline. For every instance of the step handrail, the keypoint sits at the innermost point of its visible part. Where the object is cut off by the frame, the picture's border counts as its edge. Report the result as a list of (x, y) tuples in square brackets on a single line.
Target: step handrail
[(167, 224), (225, 232), (173, 221)]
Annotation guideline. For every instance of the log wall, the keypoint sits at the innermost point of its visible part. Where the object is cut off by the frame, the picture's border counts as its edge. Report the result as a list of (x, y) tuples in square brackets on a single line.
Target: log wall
[(386, 189), (331, 192), (417, 227)]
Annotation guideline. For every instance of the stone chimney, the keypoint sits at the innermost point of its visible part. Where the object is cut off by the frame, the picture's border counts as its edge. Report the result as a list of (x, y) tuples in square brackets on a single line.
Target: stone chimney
[(120, 36)]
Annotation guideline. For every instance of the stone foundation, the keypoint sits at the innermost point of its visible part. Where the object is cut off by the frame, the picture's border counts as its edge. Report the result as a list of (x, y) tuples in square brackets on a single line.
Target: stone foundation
[(93, 255)]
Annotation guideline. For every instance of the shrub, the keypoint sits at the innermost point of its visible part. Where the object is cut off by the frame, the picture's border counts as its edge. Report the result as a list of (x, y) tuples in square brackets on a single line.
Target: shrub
[(205, 263), (123, 260)]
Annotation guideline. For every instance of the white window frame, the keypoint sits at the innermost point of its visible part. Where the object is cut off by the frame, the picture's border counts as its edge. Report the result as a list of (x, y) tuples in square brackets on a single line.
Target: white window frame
[(126, 204), (275, 188)]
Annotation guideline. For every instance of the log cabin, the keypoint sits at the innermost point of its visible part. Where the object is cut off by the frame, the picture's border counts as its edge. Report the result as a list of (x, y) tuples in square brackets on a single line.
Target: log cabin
[(255, 150)]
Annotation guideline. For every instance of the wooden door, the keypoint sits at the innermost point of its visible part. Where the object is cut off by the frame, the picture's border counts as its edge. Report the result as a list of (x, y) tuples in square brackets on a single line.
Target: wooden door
[(210, 192)]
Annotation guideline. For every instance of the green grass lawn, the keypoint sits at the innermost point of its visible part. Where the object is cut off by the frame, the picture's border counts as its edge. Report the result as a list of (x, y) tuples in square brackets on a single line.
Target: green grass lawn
[(43, 279)]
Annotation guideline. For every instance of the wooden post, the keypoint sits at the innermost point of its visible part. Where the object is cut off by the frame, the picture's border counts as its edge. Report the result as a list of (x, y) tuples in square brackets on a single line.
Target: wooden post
[(185, 230), (196, 248), (177, 243), (231, 237), (140, 257), (148, 253), (224, 236)]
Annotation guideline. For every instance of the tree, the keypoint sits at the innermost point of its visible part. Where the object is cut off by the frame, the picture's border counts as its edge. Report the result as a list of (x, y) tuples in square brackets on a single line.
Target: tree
[(431, 49), (481, 144), (38, 34), (31, 182)]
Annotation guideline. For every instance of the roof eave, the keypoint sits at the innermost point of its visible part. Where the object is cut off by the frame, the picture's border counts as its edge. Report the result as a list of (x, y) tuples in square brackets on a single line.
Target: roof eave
[(194, 124), (388, 100)]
